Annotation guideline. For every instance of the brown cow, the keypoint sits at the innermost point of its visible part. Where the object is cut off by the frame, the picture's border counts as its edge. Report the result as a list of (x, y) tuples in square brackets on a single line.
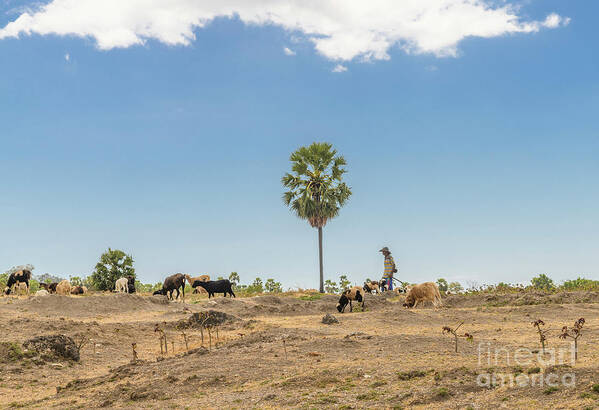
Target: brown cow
[(427, 291)]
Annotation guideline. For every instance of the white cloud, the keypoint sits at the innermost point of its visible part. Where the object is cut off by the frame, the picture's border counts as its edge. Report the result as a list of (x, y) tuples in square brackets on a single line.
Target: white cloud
[(67, 57), (340, 30), (339, 68), (289, 51), (555, 20)]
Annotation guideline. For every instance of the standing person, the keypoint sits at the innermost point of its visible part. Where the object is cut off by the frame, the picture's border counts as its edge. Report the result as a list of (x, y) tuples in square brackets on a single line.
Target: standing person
[(390, 268)]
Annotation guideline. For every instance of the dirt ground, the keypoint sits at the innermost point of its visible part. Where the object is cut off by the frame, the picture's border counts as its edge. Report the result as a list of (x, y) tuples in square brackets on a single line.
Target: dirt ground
[(274, 352)]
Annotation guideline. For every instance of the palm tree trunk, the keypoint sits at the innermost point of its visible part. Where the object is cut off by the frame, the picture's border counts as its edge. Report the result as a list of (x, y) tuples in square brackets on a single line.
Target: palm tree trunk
[(320, 258)]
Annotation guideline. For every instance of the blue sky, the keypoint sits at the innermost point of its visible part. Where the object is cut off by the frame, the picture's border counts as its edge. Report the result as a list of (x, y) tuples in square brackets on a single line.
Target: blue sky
[(475, 166)]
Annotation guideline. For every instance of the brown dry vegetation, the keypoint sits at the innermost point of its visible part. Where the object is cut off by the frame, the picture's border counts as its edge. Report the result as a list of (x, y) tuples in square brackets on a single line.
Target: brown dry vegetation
[(273, 351)]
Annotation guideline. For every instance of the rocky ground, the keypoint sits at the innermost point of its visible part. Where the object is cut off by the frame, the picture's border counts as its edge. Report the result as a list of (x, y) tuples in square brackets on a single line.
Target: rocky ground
[(274, 351)]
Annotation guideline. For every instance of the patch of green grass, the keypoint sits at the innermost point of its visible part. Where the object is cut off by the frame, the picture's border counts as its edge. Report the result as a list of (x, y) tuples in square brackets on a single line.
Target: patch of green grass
[(595, 388), (550, 390), (505, 399), (10, 352), (378, 383), (443, 392), (311, 296), (371, 395), (587, 395), (534, 370), (413, 374)]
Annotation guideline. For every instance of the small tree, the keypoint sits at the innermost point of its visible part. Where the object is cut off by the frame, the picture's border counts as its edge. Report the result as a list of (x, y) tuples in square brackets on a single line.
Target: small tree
[(113, 264), (234, 279), (542, 332), (455, 287), (344, 283), (273, 287), (257, 286), (442, 284), (543, 282), (75, 280), (330, 286), (574, 333), (454, 332)]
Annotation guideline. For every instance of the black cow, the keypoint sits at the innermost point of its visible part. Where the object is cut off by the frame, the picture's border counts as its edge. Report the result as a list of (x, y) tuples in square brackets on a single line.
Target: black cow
[(216, 286)]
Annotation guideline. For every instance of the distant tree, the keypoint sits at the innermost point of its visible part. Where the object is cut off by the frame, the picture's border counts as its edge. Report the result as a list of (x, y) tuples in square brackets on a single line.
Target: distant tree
[(330, 286), (47, 278), (273, 287), (442, 284), (455, 287), (75, 280), (113, 265), (315, 188), (234, 278), (543, 282), (257, 286), (344, 283)]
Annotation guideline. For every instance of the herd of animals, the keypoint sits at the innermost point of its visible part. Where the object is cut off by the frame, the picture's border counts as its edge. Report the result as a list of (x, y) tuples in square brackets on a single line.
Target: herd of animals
[(19, 281)]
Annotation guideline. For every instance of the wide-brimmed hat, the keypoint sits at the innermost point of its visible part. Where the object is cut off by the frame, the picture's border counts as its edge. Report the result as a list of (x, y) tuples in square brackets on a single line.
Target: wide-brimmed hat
[(385, 249)]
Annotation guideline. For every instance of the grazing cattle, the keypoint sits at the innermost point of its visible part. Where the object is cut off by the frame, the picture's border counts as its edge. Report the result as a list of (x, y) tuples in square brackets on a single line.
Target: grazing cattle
[(424, 292), (63, 288), (77, 290), (172, 283), (216, 286), (42, 292), (15, 278), (354, 293), (122, 285), (194, 285)]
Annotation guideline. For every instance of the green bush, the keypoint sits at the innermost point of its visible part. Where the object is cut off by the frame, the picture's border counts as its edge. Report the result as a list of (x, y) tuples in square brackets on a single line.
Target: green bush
[(442, 284), (581, 284), (330, 286), (542, 282), (273, 287)]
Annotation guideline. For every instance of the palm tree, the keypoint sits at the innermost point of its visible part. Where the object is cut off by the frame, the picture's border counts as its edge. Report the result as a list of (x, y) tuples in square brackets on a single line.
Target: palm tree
[(315, 191)]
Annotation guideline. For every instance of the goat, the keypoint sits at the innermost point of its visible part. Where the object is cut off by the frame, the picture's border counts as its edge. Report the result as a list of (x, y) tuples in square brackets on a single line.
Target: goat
[(121, 285), (22, 276), (77, 290), (427, 291), (131, 284), (172, 283), (354, 293), (371, 287), (194, 285), (63, 288), (217, 286), (50, 287)]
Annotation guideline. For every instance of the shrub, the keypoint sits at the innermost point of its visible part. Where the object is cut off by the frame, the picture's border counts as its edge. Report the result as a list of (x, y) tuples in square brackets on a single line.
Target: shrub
[(330, 286), (455, 287), (543, 282), (344, 283), (581, 284), (442, 284), (234, 278), (273, 287)]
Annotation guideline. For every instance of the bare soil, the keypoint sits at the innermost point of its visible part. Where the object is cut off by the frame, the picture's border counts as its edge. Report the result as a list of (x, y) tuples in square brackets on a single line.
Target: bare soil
[(274, 351)]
